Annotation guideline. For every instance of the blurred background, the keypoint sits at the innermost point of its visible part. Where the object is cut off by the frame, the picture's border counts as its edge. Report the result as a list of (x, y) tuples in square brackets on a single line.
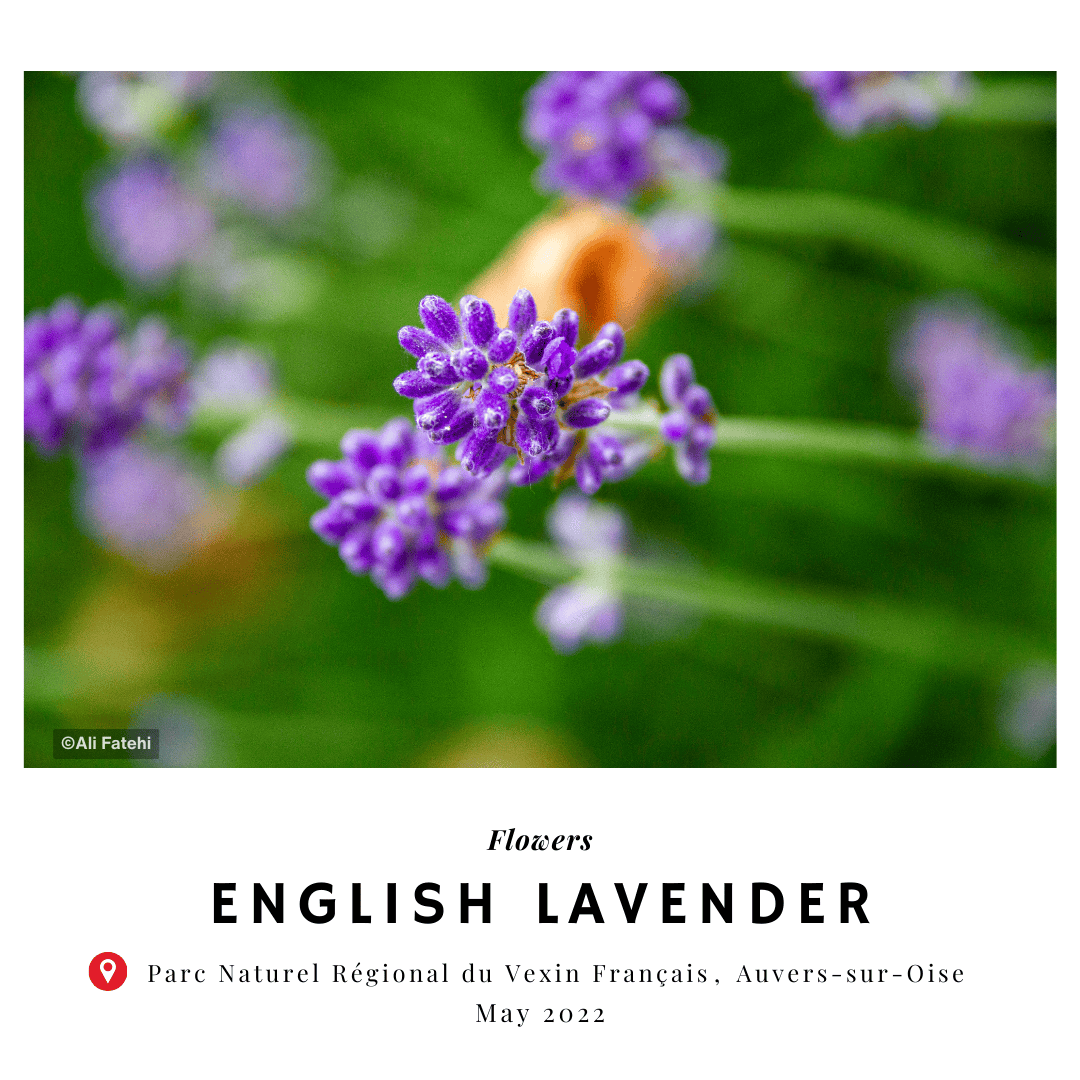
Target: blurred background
[(259, 649)]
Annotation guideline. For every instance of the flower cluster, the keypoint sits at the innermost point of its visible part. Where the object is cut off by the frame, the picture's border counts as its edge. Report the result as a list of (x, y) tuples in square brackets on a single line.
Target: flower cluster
[(137, 106), (87, 385), (976, 395), (597, 129), (528, 389), (852, 101), (690, 426), (588, 608), (400, 511)]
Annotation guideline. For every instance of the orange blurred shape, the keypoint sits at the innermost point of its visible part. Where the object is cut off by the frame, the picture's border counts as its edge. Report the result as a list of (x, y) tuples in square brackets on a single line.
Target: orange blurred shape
[(588, 256)]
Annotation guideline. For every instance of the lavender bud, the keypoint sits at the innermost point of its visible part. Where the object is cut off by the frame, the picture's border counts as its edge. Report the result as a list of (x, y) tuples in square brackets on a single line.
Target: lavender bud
[(676, 377), (438, 368), (628, 378), (702, 436), (528, 472), (595, 357), (436, 411), (471, 363), (675, 425), (698, 401), (452, 484), (416, 480), (522, 312), (440, 318), (536, 437), (419, 342), (587, 413), (397, 441), (412, 512), (458, 522), (395, 581), (613, 332), (537, 403), (563, 447), (534, 341), (384, 483), (479, 321), (587, 474), (329, 524), (457, 427), (606, 451), (692, 463), (478, 451), (362, 449), (503, 347), (388, 544), (488, 518), (356, 550), (565, 322), (413, 384), (330, 478), (503, 379), (492, 410), (433, 565), (662, 99), (558, 359)]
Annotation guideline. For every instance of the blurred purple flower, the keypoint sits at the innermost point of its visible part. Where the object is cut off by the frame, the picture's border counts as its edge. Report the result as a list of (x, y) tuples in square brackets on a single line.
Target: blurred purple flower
[(137, 106), (976, 395), (690, 426), (683, 239), (596, 129), (262, 160), (146, 505), (249, 454), (398, 511), (852, 101), (148, 221), (86, 385), (588, 608), (233, 376)]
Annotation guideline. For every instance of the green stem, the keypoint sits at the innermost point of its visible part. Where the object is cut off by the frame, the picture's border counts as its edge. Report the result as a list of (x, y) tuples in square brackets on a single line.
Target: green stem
[(947, 254), (925, 634)]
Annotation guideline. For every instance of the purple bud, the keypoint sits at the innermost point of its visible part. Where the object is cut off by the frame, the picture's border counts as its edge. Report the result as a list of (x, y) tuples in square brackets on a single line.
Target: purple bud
[(440, 318), (606, 451), (488, 518), (438, 368), (458, 522), (662, 99), (528, 472), (356, 551), (452, 484), (330, 478), (702, 436), (384, 483), (595, 357), (565, 322), (676, 377), (536, 437), (492, 411), (436, 411), (416, 480), (503, 347), (558, 359), (628, 378), (388, 544), (395, 581), (692, 463), (478, 451), (587, 474), (587, 413), (433, 565), (361, 448), (536, 402), (563, 447), (397, 441), (675, 425), (503, 379), (697, 401), (412, 384), (479, 321), (522, 312), (457, 427), (534, 341), (412, 512), (419, 342), (612, 331), (470, 363)]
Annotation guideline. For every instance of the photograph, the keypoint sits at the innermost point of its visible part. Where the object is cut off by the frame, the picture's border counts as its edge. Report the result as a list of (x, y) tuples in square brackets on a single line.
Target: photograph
[(489, 419)]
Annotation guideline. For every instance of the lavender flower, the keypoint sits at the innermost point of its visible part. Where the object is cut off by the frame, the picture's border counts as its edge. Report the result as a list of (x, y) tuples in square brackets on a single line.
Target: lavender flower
[(249, 454), (137, 106), (597, 130), (86, 385), (976, 395), (852, 101), (233, 376), (261, 160), (690, 426), (683, 238), (399, 511), (149, 223), (588, 608), (147, 505)]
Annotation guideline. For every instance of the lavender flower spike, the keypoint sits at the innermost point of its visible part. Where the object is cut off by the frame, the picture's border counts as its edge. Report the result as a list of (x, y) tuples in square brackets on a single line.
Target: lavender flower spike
[(400, 512), (588, 608), (853, 101), (690, 426)]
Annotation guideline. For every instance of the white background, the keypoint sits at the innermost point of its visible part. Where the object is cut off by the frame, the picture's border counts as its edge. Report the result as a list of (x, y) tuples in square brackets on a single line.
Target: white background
[(965, 869)]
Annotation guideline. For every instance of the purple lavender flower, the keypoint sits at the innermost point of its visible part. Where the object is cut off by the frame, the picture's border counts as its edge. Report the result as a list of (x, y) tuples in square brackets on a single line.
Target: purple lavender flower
[(683, 238), (852, 101), (233, 376), (588, 608), (149, 223), (399, 511), (261, 160), (596, 129), (87, 385), (147, 505), (690, 426), (249, 454), (976, 395), (137, 106)]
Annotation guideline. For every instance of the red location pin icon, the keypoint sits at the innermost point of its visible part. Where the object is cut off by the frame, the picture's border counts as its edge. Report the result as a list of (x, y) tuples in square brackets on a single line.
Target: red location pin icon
[(108, 971)]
